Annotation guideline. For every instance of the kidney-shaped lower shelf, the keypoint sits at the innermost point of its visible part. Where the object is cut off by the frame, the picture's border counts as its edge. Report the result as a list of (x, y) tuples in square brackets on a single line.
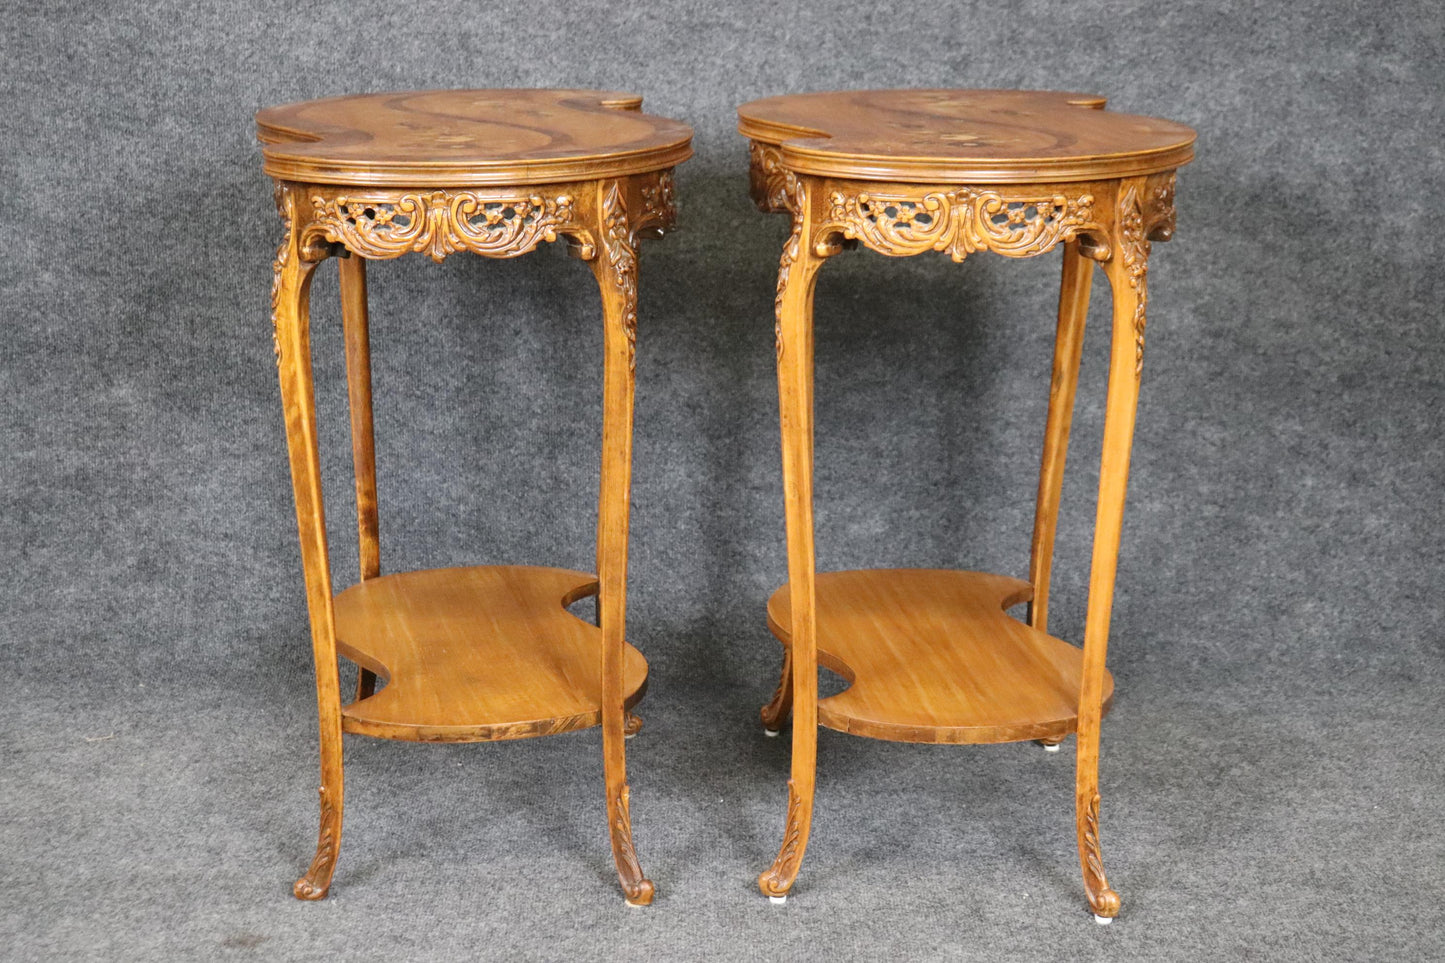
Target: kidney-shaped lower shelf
[(931, 656), (475, 654)]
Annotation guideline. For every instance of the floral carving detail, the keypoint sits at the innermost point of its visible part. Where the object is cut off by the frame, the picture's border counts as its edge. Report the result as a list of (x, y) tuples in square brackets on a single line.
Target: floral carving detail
[(1134, 247), (767, 178), (793, 199), (659, 202), (622, 259), (960, 221), (286, 207), (779, 877), (318, 877), (439, 223), (1161, 215)]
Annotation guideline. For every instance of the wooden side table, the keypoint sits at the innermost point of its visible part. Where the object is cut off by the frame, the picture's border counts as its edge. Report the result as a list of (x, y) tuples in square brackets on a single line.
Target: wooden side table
[(930, 655), (483, 653)]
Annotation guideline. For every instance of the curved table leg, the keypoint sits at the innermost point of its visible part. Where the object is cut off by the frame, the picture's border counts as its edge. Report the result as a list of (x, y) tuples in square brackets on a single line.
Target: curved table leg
[(355, 325), (616, 271), (1127, 271), (780, 706), (1068, 346), (291, 318), (796, 276)]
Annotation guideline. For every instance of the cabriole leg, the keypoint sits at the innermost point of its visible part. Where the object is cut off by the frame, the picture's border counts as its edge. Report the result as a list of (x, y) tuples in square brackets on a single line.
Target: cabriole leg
[(1068, 344), (616, 271), (776, 712), (1127, 271), (291, 319), (796, 276), (355, 324)]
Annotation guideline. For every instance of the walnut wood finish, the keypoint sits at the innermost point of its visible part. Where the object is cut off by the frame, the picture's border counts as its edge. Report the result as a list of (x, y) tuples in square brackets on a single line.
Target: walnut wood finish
[(968, 136), (468, 138), (484, 652), (476, 654), (931, 656)]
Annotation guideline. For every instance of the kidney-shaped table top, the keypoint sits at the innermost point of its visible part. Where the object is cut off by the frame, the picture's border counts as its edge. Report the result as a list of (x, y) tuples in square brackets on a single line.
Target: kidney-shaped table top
[(963, 136), (458, 138)]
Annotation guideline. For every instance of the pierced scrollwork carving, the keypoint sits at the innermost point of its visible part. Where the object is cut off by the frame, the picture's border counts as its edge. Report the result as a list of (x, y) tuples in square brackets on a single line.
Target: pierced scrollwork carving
[(767, 178), (621, 251), (959, 221), (439, 223)]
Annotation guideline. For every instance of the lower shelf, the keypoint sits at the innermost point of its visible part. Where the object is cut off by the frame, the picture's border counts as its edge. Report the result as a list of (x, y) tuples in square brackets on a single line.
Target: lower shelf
[(477, 654), (932, 657)]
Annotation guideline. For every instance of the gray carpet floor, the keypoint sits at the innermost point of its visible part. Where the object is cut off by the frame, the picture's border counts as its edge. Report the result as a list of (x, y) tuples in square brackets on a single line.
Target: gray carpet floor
[(1272, 774)]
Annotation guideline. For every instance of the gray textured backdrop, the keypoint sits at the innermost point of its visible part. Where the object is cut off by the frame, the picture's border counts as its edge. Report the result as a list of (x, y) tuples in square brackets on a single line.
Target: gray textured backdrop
[(1272, 774)]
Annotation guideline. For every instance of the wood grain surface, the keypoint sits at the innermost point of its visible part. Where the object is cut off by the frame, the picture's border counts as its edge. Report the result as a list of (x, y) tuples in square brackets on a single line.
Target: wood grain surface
[(463, 138), (931, 656), (476, 654), (967, 136)]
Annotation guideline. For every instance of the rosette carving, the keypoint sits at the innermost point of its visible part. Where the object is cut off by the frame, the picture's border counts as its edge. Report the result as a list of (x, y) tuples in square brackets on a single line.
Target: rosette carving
[(439, 223), (960, 221)]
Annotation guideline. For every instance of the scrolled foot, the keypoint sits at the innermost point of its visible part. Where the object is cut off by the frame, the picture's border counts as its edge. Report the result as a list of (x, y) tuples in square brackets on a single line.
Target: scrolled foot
[(1102, 899), (317, 881), (308, 888), (778, 879), (640, 893), (1105, 905), (631, 725), (638, 889)]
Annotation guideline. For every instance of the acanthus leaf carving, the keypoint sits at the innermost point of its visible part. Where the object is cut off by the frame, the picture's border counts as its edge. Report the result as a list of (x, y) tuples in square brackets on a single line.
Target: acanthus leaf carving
[(286, 207), (1104, 900), (618, 243), (1134, 248), (659, 202), (318, 876), (439, 223), (793, 199), (778, 879), (638, 888), (767, 178)]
